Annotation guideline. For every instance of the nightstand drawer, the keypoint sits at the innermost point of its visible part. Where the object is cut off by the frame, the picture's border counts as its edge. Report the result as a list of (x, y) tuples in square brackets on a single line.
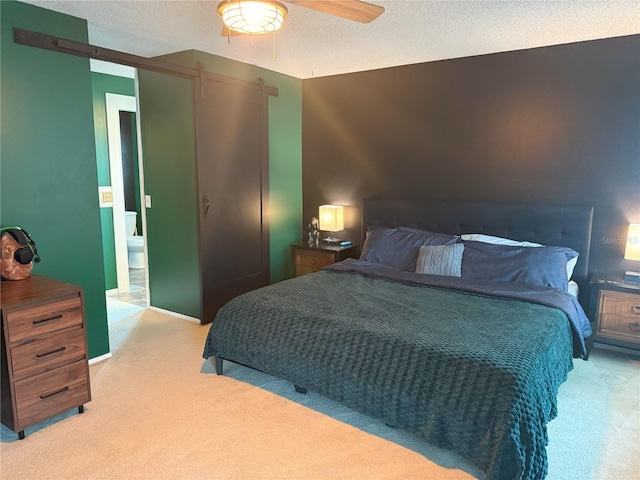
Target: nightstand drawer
[(317, 260), (54, 350), (311, 258), (614, 309), (617, 326), (50, 393), (43, 319), (621, 304)]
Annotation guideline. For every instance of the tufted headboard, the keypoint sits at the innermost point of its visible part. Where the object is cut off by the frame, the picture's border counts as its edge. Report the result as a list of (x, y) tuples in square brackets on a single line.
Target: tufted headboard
[(566, 226)]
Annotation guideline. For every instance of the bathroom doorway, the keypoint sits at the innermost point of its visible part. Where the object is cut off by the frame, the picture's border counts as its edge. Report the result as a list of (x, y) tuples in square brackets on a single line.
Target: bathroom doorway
[(126, 185)]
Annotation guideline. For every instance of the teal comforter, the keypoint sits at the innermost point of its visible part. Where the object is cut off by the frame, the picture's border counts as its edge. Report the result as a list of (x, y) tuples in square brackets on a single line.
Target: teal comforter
[(466, 371)]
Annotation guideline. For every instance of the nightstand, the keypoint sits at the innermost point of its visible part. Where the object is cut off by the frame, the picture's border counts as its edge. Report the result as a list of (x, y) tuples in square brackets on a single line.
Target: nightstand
[(614, 311), (44, 368), (308, 259)]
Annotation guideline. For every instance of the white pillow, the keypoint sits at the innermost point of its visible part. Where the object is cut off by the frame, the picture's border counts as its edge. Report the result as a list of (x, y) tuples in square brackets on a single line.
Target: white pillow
[(440, 260), (480, 237), (573, 289)]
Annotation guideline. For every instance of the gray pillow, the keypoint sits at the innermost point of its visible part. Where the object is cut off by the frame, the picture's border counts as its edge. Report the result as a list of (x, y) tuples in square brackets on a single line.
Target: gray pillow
[(544, 266), (440, 260), (399, 247)]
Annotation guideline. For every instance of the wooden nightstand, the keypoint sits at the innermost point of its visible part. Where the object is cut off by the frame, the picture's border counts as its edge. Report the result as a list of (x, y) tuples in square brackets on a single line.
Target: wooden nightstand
[(44, 369), (311, 259), (614, 311)]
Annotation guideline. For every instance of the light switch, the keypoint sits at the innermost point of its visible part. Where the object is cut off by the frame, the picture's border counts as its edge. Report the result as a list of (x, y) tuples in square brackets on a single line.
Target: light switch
[(105, 196), (147, 201)]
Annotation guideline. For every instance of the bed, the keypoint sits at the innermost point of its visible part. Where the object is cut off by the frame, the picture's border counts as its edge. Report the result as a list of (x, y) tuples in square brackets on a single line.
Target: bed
[(469, 363)]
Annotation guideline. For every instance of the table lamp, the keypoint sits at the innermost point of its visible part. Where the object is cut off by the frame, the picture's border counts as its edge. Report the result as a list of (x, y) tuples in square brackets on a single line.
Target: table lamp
[(632, 251), (331, 220)]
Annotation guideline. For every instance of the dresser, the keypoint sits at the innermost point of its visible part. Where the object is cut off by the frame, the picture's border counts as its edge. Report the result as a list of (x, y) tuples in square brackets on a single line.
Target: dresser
[(615, 313), (311, 258), (44, 369)]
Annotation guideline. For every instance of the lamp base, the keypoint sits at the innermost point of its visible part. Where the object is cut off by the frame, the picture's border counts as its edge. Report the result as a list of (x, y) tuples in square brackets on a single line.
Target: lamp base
[(332, 240), (632, 277)]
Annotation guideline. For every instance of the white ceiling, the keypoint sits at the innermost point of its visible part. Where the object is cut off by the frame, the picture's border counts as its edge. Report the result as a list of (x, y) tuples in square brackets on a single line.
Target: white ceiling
[(313, 44)]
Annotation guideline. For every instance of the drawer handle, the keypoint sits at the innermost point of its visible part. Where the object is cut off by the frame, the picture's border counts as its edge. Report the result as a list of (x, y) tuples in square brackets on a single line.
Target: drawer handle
[(635, 327), (636, 309), (50, 319), (57, 350), (57, 392)]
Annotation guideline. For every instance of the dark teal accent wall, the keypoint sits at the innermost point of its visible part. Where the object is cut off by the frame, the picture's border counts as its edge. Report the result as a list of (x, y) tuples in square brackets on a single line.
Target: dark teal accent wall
[(100, 85), (285, 151), (49, 175)]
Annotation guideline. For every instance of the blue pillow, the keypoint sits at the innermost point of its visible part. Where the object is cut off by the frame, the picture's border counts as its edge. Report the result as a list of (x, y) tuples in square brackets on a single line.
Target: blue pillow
[(544, 266), (399, 247)]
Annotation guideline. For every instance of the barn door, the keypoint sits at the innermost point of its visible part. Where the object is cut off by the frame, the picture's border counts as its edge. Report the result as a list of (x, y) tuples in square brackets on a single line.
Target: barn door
[(233, 190)]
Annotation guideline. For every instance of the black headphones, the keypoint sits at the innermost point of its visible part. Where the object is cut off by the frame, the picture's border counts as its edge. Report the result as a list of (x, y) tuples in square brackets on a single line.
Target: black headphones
[(27, 251)]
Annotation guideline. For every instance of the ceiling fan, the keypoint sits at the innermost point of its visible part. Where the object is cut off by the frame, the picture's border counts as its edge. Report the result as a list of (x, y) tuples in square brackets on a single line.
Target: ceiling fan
[(264, 16)]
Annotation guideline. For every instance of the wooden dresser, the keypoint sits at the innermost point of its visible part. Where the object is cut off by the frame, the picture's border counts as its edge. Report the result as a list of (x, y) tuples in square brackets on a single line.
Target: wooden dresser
[(45, 371)]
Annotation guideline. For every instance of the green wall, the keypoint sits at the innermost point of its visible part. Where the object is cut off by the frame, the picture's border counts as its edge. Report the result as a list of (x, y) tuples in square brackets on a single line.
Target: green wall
[(49, 176), (100, 85), (285, 151), (52, 159)]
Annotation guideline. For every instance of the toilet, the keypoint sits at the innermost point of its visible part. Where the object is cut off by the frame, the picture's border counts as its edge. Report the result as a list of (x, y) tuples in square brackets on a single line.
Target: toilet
[(135, 243)]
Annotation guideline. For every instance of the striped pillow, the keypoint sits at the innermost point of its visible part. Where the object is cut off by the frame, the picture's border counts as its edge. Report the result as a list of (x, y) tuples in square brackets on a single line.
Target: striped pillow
[(440, 260)]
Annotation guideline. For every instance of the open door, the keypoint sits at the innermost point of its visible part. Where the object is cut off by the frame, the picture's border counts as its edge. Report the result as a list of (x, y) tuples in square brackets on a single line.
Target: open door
[(168, 150)]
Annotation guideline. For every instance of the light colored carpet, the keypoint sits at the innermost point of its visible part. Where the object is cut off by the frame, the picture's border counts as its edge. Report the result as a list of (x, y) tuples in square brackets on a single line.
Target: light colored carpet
[(160, 412)]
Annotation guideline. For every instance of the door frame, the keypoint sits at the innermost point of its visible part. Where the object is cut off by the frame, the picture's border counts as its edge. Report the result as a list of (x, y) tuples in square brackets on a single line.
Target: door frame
[(114, 103)]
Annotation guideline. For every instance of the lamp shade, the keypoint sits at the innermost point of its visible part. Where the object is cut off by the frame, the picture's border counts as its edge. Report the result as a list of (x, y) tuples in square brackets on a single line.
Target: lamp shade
[(632, 252), (252, 16), (331, 218)]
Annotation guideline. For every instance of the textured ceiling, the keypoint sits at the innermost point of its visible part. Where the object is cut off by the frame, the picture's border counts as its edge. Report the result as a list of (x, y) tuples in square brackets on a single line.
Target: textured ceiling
[(316, 44)]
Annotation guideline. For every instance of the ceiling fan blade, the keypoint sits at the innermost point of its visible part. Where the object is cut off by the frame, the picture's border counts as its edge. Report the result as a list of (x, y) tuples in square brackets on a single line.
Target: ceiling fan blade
[(355, 10)]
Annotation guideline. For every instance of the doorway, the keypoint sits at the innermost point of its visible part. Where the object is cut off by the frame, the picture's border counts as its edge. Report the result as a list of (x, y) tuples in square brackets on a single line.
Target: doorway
[(126, 172)]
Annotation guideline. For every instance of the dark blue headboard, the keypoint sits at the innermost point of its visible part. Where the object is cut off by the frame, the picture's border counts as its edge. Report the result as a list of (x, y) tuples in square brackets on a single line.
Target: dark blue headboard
[(560, 225)]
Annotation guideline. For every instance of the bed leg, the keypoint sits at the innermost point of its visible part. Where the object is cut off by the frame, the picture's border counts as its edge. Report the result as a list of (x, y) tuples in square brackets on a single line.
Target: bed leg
[(219, 365), (589, 345), (300, 389)]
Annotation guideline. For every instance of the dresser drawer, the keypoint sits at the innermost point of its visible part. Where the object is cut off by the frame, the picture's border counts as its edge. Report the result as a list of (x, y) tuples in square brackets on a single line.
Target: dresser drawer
[(50, 393), (42, 319), (52, 351), (620, 304)]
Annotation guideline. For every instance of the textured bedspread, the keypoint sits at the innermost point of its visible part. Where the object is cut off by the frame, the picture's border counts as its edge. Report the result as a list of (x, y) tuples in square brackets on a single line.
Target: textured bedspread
[(468, 372)]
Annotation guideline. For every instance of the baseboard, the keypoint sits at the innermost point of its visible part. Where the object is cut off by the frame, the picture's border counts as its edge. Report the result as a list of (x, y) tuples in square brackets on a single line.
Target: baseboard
[(174, 314), (100, 358), (113, 291)]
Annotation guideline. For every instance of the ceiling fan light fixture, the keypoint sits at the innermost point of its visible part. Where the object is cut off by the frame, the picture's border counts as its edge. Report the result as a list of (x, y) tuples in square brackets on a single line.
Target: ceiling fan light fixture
[(252, 16)]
